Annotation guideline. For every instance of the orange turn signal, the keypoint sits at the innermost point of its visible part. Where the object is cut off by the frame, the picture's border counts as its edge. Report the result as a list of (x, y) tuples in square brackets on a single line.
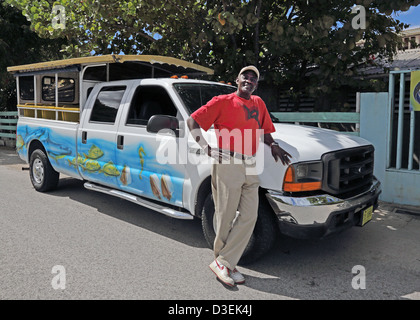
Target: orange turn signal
[(290, 185), (290, 175)]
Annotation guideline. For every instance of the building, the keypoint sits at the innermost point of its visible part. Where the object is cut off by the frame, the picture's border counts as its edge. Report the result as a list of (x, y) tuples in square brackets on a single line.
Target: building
[(406, 58), (411, 36)]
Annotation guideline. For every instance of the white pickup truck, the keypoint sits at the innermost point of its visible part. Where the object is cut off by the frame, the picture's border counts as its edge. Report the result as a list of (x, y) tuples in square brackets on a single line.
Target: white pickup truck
[(91, 119)]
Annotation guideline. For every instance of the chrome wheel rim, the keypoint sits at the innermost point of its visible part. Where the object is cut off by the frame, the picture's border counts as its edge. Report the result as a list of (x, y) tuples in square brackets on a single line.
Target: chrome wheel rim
[(38, 171)]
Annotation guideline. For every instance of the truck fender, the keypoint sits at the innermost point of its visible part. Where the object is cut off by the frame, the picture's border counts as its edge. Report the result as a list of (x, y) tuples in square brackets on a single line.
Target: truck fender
[(203, 191)]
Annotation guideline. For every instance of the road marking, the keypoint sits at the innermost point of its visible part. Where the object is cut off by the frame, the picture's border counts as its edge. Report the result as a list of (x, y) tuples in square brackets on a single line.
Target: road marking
[(412, 296)]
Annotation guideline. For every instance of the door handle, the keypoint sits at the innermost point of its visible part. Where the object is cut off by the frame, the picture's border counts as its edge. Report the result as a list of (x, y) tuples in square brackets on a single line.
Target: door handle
[(120, 142), (84, 137)]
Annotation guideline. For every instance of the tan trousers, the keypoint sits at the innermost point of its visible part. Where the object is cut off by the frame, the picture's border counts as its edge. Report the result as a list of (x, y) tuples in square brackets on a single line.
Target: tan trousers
[(233, 190)]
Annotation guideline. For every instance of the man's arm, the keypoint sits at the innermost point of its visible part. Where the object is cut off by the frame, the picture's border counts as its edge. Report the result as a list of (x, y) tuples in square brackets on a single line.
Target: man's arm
[(276, 151), (195, 130)]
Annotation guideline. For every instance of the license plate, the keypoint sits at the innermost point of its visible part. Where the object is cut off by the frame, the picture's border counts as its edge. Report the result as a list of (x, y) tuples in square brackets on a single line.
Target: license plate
[(367, 215)]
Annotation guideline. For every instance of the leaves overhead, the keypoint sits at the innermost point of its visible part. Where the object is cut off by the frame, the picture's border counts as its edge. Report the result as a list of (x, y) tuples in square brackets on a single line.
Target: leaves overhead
[(20, 45), (286, 39)]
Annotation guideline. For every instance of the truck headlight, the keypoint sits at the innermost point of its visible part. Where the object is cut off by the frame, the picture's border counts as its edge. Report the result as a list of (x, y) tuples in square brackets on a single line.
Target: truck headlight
[(304, 176)]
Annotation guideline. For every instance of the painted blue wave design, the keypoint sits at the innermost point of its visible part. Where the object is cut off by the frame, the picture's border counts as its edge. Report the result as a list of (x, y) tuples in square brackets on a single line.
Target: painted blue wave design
[(136, 170)]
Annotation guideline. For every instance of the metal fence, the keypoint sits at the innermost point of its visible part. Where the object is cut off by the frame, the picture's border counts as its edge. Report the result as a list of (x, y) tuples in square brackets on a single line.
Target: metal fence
[(351, 119), (401, 131)]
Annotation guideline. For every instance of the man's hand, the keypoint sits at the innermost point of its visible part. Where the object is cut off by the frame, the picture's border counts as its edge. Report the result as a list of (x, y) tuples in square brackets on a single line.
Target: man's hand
[(279, 153), (276, 151)]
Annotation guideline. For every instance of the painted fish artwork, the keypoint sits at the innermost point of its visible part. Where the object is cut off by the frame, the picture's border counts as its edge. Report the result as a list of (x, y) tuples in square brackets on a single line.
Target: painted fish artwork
[(126, 176), (26, 135), (53, 145), (94, 153), (136, 170), (154, 184), (90, 165), (109, 169), (89, 162), (79, 160), (34, 134), (142, 153), (56, 150), (20, 143), (166, 186)]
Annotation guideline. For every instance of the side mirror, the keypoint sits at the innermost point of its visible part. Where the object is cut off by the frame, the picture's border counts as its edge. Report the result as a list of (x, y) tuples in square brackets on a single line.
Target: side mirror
[(163, 124)]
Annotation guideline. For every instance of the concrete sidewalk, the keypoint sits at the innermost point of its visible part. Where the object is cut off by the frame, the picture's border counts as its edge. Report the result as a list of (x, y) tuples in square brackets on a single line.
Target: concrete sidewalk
[(395, 208)]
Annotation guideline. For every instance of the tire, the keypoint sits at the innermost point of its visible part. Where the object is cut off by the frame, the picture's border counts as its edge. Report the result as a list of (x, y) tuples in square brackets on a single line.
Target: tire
[(43, 176), (262, 239)]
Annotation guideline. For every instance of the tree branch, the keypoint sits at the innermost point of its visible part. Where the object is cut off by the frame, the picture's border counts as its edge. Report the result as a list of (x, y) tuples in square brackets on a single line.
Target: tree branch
[(257, 32), (232, 37)]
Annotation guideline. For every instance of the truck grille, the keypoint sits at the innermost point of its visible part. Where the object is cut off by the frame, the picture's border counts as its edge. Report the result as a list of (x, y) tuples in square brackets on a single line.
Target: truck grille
[(348, 170)]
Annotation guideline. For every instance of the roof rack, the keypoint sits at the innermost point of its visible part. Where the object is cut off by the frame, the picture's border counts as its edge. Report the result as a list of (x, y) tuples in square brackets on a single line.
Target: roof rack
[(156, 63)]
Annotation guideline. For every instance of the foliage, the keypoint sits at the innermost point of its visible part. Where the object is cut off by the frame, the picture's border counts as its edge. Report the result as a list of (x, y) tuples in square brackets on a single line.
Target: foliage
[(19, 45), (306, 46)]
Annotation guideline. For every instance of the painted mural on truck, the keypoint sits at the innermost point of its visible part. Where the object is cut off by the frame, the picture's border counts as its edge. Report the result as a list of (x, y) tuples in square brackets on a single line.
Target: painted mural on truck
[(137, 171)]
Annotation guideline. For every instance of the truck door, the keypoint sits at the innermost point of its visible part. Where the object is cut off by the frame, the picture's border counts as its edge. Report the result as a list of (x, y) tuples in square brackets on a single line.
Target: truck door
[(142, 172), (97, 136)]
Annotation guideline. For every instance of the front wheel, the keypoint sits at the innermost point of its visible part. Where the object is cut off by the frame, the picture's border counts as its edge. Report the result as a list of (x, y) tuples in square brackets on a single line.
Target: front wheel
[(43, 176), (262, 239)]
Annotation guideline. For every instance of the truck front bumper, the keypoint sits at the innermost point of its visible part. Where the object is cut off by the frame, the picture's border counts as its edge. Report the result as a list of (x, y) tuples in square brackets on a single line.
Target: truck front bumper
[(321, 215)]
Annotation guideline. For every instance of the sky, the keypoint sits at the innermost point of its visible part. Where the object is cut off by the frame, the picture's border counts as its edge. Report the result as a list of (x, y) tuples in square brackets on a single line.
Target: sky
[(411, 16)]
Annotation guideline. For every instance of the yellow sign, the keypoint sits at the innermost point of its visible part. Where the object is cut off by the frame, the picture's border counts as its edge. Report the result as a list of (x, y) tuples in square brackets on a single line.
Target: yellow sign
[(415, 91), (367, 215)]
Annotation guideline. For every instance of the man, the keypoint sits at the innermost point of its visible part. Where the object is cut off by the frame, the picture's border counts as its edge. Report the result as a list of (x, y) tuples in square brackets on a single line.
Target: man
[(233, 188)]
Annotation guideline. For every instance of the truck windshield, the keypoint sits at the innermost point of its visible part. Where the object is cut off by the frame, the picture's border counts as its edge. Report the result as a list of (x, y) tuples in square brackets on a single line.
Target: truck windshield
[(196, 95)]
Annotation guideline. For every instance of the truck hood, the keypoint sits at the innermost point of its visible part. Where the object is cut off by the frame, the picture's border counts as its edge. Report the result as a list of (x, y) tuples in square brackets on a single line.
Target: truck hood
[(307, 143), (304, 143)]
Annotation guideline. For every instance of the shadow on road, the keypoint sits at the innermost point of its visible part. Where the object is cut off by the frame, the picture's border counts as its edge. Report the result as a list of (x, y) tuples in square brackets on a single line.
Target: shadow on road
[(185, 231), (8, 156)]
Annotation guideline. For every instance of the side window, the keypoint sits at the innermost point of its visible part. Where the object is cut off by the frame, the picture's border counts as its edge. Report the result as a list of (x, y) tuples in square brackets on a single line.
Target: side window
[(106, 104), (26, 87), (147, 102), (66, 89)]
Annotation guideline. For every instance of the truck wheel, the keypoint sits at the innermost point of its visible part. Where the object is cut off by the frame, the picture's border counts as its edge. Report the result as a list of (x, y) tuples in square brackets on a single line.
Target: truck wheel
[(43, 176), (262, 239)]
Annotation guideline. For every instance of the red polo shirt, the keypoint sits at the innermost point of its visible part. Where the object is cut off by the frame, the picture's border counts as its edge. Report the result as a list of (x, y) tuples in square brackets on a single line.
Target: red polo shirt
[(239, 123)]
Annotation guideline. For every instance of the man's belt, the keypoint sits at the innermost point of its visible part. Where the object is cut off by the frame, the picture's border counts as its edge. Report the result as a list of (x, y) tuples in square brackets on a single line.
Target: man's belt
[(240, 156)]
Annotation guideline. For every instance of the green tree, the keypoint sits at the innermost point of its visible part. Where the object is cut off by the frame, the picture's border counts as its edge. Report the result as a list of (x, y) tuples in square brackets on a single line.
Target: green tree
[(19, 45), (309, 47)]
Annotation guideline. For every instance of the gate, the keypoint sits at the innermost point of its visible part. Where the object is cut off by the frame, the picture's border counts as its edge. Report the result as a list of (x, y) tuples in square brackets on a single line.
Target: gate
[(387, 121)]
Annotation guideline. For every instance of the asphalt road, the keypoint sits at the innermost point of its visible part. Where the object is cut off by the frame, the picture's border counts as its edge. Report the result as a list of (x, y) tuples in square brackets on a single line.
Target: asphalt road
[(78, 244)]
